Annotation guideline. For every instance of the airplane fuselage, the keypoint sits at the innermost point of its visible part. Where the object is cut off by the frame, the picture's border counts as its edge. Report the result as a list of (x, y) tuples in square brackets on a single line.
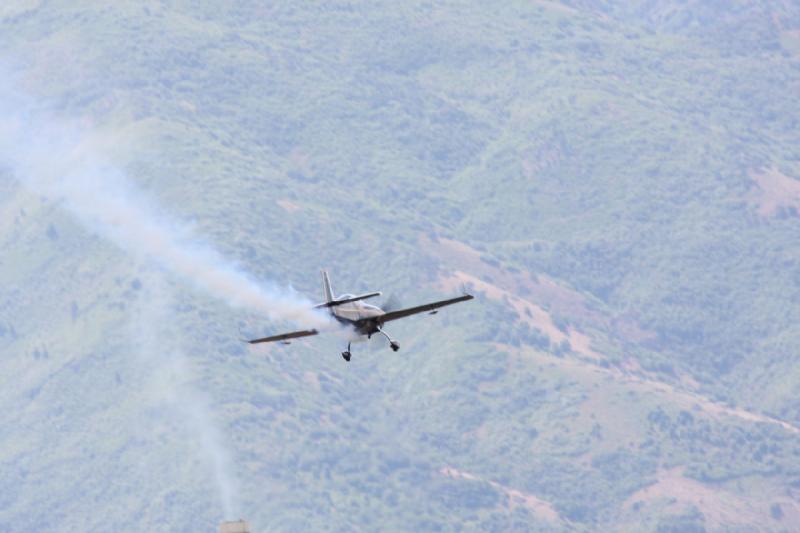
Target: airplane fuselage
[(363, 317)]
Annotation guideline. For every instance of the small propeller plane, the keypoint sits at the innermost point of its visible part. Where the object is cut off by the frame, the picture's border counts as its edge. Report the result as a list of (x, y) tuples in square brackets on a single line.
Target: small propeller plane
[(366, 320)]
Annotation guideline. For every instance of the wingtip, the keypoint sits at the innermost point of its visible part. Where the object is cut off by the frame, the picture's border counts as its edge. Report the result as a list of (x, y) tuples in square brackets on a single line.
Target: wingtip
[(241, 338), (465, 293)]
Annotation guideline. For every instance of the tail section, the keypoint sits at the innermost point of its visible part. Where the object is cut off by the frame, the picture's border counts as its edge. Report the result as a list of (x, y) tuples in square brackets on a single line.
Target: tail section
[(326, 287)]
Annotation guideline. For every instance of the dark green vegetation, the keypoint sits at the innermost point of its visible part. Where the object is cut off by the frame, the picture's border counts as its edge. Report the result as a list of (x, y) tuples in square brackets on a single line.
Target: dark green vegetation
[(617, 180)]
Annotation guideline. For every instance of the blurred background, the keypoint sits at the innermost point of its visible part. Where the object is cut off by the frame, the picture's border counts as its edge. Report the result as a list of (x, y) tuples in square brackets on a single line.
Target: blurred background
[(616, 182)]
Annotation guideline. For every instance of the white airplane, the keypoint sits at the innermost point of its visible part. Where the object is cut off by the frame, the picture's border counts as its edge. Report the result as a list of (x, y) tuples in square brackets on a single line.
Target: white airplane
[(365, 320)]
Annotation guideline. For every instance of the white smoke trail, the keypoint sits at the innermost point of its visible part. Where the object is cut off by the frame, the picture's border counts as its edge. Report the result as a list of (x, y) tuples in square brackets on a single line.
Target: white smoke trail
[(170, 382), (64, 160)]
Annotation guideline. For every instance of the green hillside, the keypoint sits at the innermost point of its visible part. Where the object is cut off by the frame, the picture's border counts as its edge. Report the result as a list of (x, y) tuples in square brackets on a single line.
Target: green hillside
[(617, 182)]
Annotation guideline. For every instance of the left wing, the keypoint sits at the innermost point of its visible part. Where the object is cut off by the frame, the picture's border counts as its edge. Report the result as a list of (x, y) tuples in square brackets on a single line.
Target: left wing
[(401, 313), (286, 336)]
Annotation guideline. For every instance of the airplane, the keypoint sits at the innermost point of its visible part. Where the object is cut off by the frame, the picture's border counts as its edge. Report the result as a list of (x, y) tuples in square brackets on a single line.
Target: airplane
[(364, 319)]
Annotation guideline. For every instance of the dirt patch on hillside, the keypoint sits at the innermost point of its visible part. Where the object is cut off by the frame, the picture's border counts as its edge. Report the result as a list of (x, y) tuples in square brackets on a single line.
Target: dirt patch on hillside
[(521, 289), (548, 294), (720, 507), (495, 283), (686, 399), (777, 193), (288, 206), (526, 284), (527, 312), (581, 343), (516, 498)]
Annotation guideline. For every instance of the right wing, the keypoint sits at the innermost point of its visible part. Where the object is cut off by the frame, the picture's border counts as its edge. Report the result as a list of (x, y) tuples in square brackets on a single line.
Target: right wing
[(286, 336), (402, 313)]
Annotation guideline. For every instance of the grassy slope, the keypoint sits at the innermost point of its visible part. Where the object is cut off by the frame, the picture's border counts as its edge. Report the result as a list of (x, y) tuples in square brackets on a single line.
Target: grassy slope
[(611, 151)]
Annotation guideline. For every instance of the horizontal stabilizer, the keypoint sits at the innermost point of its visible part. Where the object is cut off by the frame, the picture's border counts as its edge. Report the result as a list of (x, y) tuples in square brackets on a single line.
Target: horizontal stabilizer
[(334, 303)]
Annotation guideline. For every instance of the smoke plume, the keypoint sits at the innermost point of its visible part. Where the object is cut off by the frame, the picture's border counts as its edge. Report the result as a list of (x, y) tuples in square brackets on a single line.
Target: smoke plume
[(170, 382), (64, 160)]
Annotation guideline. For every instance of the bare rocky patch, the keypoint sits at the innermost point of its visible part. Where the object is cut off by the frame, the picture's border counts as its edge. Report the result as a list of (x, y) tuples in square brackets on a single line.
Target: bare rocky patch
[(288, 206), (686, 399), (548, 294), (777, 194), (534, 504), (721, 508)]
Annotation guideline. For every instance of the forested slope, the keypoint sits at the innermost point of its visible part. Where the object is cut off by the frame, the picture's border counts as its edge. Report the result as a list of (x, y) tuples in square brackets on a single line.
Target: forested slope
[(618, 183)]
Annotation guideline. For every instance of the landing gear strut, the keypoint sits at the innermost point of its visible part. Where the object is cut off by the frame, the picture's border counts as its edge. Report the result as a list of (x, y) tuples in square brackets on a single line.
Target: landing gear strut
[(393, 344), (346, 355)]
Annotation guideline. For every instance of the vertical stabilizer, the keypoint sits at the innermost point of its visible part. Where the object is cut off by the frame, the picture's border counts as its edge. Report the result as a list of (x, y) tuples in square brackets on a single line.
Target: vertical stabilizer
[(326, 287)]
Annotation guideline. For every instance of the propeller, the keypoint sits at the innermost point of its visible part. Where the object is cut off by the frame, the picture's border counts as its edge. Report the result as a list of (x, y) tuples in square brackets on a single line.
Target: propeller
[(391, 303)]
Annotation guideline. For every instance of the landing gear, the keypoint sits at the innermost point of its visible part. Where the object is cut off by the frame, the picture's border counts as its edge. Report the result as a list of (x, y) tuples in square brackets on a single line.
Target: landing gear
[(393, 344), (346, 354)]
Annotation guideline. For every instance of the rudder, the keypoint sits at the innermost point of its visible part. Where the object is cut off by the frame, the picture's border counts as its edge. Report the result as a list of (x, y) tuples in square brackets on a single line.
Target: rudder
[(326, 287)]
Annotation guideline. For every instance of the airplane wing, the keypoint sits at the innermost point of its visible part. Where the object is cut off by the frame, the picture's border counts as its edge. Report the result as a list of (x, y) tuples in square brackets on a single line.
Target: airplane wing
[(401, 313), (286, 336)]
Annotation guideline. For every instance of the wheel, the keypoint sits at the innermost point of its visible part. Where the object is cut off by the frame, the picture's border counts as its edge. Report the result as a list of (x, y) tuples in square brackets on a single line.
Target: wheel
[(394, 345), (346, 356)]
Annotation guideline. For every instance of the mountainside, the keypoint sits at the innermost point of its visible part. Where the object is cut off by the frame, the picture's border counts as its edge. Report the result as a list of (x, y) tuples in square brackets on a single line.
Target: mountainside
[(617, 182)]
